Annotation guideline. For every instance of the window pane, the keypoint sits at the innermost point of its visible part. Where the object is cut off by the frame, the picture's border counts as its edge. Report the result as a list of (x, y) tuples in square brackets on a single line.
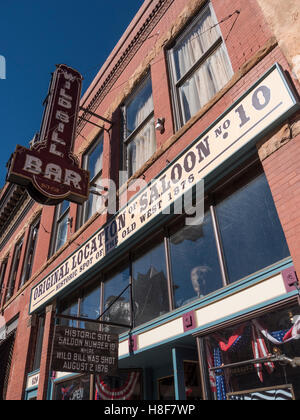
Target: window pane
[(39, 344), (139, 108), (211, 77), (63, 207), (70, 307), (95, 160), (2, 276), (62, 232), (150, 287), (200, 38), (250, 229), (194, 261), (90, 307), (142, 147), (74, 389), (120, 312), (94, 203), (28, 264), (14, 269)]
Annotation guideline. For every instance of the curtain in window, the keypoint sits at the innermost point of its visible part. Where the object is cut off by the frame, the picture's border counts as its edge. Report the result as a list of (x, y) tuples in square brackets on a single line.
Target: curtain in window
[(210, 77), (142, 147), (198, 41), (95, 202), (143, 144)]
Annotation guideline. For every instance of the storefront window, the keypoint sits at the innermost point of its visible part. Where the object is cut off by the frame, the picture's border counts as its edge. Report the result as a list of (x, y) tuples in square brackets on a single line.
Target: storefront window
[(84, 304), (166, 389), (194, 260), (150, 286), (120, 311), (75, 389), (274, 340), (251, 233), (39, 344), (90, 307), (69, 307), (193, 389)]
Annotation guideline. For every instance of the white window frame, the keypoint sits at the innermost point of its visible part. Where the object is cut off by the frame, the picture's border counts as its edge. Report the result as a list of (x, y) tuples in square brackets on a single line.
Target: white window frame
[(128, 139), (82, 216)]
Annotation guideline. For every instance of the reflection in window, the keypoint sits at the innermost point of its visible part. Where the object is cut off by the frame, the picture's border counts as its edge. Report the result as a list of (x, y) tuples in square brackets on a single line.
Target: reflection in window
[(61, 225), (90, 307), (70, 307), (93, 162), (83, 305), (120, 311), (150, 288), (194, 260), (251, 232)]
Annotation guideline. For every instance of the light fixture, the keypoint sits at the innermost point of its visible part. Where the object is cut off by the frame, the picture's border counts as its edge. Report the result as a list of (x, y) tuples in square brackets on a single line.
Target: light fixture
[(160, 125)]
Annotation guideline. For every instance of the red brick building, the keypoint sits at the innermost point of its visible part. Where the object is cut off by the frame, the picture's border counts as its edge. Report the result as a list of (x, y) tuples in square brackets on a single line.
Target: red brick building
[(194, 90)]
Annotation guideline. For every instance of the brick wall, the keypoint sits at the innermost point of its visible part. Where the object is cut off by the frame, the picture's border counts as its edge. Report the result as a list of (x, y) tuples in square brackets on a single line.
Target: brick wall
[(282, 169)]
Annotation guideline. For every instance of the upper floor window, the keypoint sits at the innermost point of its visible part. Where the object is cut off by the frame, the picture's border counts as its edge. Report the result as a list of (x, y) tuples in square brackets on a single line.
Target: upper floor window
[(60, 227), (139, 128), (30, 252), (93, 162), (14, 269), (199, 66), (2, 277)]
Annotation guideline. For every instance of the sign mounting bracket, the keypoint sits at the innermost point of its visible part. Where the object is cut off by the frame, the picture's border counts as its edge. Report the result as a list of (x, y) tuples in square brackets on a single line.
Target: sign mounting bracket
[(95, 115)]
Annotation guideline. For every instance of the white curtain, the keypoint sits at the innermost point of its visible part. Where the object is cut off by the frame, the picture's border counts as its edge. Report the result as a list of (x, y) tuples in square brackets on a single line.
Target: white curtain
[(213, 74), (142, 147)]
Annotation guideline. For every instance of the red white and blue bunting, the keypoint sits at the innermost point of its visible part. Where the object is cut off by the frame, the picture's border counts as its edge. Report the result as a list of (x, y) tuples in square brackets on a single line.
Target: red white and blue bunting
[(122, 390), (253, 333)]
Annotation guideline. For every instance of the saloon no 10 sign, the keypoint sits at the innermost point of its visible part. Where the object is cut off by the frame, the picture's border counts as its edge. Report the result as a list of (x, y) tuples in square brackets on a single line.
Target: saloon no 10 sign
[(79, 350)]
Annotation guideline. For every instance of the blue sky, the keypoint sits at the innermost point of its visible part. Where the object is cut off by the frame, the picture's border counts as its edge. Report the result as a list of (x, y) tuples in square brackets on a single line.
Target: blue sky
[(37, 34)]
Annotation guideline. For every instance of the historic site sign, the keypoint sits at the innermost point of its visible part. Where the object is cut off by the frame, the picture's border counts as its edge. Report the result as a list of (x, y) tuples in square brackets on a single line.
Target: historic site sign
[(85, 351)]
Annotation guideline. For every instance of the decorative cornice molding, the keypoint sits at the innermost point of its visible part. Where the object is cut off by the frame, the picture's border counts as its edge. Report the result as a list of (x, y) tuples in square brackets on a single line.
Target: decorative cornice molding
[(135, 44)]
